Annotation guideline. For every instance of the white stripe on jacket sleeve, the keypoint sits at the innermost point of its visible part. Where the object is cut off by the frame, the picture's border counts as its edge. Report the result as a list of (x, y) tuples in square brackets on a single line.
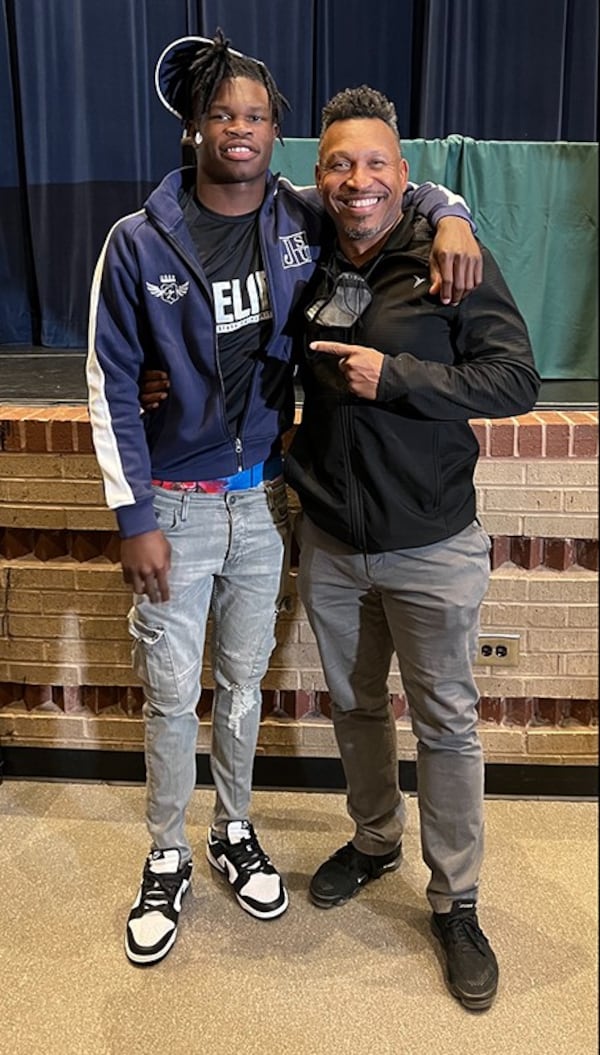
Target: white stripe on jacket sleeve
[(116, 486)]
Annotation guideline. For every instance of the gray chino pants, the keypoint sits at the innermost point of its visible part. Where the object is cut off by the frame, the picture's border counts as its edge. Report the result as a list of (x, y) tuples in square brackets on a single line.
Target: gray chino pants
[(424, 605)]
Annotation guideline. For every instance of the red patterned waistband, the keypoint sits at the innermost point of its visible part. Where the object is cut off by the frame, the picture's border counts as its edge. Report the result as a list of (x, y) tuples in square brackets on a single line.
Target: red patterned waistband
[(256, 474)]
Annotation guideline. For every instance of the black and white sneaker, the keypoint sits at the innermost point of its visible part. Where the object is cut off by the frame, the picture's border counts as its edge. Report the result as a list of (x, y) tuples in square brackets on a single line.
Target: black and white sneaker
[(152, 924), (257, 884)]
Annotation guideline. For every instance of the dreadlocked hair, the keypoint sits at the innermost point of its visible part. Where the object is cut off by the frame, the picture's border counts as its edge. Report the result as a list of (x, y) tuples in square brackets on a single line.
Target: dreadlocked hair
[(195, 72), (359, 102)]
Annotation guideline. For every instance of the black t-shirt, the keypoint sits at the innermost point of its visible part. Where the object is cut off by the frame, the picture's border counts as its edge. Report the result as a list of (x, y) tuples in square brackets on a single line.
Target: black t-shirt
[(229, 251)]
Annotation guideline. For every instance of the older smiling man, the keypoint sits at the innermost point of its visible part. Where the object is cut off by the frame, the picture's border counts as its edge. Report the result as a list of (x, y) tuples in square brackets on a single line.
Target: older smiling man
[(393, 557)]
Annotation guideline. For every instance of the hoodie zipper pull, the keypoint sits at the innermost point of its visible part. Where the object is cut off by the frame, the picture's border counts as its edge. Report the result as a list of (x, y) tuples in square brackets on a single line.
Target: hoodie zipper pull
[(238, 451)]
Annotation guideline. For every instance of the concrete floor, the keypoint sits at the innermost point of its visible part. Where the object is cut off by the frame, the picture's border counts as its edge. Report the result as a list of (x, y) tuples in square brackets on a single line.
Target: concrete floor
[(362, 978)]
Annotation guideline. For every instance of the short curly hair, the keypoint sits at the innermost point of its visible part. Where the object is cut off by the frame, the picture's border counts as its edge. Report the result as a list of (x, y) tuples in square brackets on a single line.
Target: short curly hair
[(356, 103)]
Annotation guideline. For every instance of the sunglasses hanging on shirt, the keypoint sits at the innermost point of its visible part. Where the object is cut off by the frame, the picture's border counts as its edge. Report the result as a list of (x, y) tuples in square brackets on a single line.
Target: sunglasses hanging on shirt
[(348, 300)]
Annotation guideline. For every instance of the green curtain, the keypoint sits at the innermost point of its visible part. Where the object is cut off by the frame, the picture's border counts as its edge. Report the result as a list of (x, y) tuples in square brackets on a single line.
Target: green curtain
[(536, 206)]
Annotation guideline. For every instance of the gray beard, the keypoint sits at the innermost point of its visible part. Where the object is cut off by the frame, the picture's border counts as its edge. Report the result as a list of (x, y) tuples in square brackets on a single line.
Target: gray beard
[(356, 234)]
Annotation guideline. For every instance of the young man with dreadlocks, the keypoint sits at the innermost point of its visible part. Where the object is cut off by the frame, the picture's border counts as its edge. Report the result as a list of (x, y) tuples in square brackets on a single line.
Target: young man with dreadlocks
[(201, 283), (393, 557)]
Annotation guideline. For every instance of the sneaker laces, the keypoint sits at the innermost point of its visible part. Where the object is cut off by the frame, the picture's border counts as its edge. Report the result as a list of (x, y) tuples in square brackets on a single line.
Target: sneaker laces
[(159, 889), (249, 855), (465, 933)]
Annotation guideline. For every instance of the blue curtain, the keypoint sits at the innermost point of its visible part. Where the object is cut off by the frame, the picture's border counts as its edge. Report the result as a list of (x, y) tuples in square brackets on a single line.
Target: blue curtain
[(17, 295), (84, 138), (508, 69)]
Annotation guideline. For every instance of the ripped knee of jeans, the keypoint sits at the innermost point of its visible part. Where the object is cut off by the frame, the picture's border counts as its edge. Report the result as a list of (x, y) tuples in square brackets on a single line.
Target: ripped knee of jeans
[(244, 699)]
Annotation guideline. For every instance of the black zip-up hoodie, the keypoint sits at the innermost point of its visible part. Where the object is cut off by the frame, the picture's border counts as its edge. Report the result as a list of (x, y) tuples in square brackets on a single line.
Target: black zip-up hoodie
[(397, 472)]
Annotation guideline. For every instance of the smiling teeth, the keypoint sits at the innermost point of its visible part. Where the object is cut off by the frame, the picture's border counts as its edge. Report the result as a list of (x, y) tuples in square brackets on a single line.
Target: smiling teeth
[(361, 203)]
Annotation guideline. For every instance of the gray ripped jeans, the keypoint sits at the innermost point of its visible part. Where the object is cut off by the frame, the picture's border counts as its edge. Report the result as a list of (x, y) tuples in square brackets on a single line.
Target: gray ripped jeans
[(227, 557)]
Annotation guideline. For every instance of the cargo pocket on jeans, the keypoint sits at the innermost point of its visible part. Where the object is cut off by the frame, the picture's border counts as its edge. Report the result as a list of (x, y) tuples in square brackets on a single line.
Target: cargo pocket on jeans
[(152, 661)]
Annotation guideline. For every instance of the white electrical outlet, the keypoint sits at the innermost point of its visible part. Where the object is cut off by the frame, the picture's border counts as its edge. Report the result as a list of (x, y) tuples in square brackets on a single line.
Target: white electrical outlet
[(498, 650)]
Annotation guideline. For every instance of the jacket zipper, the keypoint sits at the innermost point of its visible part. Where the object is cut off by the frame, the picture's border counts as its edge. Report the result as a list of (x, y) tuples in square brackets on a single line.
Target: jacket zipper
[(267, 266), (355, 502), (238, 450), (357, 527)]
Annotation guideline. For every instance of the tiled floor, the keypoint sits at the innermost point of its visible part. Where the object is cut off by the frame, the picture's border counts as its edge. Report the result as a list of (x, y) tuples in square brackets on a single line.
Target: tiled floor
[(362, 978)]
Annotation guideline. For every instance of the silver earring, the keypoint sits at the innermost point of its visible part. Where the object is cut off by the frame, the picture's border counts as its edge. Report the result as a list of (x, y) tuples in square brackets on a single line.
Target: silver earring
[(197, 139)]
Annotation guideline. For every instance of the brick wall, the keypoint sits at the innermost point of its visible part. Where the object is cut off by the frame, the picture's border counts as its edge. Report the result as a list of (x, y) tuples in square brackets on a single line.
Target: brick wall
[(65, 678)]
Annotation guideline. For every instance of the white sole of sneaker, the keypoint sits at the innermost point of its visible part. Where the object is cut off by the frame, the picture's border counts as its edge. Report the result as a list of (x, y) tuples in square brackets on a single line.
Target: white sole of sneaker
[(270, 914)]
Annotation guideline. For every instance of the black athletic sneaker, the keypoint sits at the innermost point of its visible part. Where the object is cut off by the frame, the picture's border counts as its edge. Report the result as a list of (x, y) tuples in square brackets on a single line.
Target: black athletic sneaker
[(152, 924), (471, 967), (348, 871), (240, 858)]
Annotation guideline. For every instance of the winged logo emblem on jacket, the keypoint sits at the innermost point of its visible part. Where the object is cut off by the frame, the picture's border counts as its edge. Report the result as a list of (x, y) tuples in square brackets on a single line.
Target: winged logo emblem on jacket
[(169, 291)]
